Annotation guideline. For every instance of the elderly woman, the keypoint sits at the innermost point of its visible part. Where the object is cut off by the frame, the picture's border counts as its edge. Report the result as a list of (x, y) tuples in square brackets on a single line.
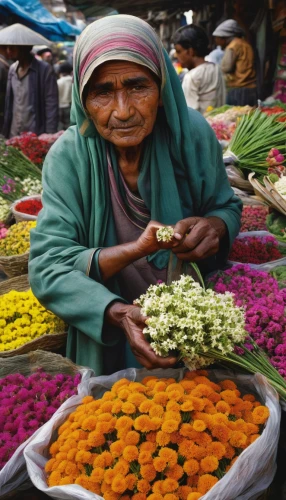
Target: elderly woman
[(136, 158)]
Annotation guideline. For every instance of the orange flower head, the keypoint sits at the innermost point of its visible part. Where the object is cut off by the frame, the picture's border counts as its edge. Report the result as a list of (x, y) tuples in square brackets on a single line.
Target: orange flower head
[(72, 453), (146, 406), (206, 482), (223, 407), (139, 496), (214, 397), (143, 423), (54, 448), (54, 478), (170, 485), (124, 422), (150, 379), (148, 472), (199, 425), (87, 399), (198, 403), (137, 387), (71, 469), (132, 437), (219, 418), (118, 484), (161, 398), (249, 397), (83, 456), (128, 408), (160, 386), (176, 438), (130, 453), (159, 464), (123, 382), (143, 486), (229, 396), (148, 446), (203, 439), (123, 394), (145, 457), (172, 415), (191, 466), (238, 439), (136, 398), (195, 495), (188, 385), (199, 452), (162, 438), (49, 465), (216, 449), (156, 411), (184, 491), (175, 472), (98, 474), (116, 406), (170, 426), (253, 438), (155, 496), (116, 448), (201, 390), (171, 496), (122, 467), (95, 439), (260, 414), (111, 495), (175, 395), (186, 448), (228, 385), (109, 475), (221, 432), (131, 481), (156, 423), (229, 451), (61, 456), (173, 406), (187, 406), (107, 396), (169, 455), (209, 464), (252, 429)]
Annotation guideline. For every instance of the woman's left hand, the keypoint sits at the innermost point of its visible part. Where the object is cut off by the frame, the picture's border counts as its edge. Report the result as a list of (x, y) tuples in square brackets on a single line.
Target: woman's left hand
[(198, 237)]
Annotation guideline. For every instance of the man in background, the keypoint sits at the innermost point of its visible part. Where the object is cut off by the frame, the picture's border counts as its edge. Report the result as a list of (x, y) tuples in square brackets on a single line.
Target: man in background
[(4, 69), (237, 64), (65, 93), (46, 55)]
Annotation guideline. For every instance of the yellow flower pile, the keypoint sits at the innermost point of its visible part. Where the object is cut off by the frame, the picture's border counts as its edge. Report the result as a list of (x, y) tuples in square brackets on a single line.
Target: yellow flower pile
[(17, 240), (155, 440), (23, 318)]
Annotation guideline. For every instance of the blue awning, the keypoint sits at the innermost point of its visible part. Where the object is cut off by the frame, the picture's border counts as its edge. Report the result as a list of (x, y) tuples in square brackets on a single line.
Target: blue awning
[(34, 15)]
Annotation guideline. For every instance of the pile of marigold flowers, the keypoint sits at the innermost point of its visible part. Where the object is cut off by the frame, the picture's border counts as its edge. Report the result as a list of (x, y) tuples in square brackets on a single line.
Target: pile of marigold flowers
[(23, 318), (156, 440), (253, 250), (17, 239)]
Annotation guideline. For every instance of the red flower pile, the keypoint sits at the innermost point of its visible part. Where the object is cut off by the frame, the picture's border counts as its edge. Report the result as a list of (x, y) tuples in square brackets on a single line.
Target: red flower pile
[(275, 110), (31, 146), (31, 207), (253, 250), (254, 218)]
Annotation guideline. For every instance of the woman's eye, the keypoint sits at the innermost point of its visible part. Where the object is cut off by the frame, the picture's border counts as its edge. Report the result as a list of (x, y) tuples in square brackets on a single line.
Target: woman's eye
[(138, 87)]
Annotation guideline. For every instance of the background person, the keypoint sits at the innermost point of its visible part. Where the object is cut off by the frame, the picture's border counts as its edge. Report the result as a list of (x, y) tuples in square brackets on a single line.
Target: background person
[(237, 64), (4, 69), (203, 85), (46, 55), (65, 94)]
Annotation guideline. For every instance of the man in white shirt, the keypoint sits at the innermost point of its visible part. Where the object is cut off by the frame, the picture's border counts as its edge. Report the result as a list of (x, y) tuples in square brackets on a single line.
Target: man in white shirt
[(65, 93)]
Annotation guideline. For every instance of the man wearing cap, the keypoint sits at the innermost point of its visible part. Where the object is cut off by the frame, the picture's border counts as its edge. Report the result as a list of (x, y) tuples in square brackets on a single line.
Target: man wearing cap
[(31, 103), (237, 64), (46, 55)]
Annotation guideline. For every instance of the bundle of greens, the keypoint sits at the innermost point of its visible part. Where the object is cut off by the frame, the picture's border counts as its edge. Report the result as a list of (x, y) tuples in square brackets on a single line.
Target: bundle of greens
[(255, 135), (13, 163), (276, 224)]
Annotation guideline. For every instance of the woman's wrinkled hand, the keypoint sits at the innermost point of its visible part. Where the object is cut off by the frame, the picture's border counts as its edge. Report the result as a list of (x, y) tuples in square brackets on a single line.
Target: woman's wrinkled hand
[(147, 243), (198, 238), (130, 319)]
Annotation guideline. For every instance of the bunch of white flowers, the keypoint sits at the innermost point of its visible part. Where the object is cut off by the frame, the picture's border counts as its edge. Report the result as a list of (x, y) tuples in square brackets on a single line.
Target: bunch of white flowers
[(4, 209), (31, 186), (195, 322), (165, 233), (280, 185)]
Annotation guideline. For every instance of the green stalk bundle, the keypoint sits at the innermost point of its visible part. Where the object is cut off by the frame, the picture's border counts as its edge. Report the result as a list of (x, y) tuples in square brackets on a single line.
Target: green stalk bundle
[(13, 163), (256, 134)]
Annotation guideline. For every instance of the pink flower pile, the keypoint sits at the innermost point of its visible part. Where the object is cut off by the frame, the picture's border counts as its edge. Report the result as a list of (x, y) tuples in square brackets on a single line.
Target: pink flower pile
[(26, 403), (254, 218), (264, 304), (3, 231)]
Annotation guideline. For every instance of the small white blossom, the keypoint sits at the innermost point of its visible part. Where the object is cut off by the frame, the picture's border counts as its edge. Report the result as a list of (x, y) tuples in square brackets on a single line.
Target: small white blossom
[(165, 233)]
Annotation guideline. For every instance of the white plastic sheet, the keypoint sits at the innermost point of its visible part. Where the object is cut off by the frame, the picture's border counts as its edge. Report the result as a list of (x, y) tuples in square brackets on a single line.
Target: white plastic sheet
[(251, 474), (14, 473)]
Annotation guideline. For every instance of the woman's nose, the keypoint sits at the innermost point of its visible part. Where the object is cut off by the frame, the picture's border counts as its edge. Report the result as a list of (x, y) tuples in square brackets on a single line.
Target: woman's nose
[(123, 108)]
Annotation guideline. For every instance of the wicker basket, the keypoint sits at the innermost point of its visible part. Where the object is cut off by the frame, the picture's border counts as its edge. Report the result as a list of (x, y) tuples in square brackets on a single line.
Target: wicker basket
[(14, 265), (21, 216), (49, 342)]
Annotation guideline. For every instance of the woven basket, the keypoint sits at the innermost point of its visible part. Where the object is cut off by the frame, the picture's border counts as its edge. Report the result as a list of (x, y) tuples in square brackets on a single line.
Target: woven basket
[(49, 342), (14, 265)]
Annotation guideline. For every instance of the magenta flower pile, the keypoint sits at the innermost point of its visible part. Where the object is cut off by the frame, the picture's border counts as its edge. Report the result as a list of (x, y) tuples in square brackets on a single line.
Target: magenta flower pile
[(264, 304), (26, 403)]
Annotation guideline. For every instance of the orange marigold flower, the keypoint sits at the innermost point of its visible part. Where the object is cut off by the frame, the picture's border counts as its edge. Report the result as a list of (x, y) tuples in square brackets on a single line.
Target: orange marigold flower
[(136, 398), (229, 396), (188, 385), (110, 495), (221, 432), (122, 467), (175, 395), (199, 425), (170, 485), (229, 451), (128, 408), (143, 423), (253, 438), (143, 486), (199, 452), (130, 453), (201, 390), (148, 472), (131, 480), (223, 407), (172, 415), (187, 406), (209, 463), (162, 438), (252, 429), (83, 444), (169, 455), (54, 448), (132, 437), (95, 439), (71, 469), (186, 448), (176, 438), (184, 491), (118, 484), (145, 457), (87, 399), (116, 406), (49, 465), (61, 456), (195, 495), (123, 394), (174, 386), (66, 480), (170, 426), (107, 396), (219, 418), (198, 403), (198, 415), (159, 464), (203, 439), (160, 398), (109, 475), (249, 397), (124, 422), (148, 446), (206, 482), (175, 472), (106, 407), (191, 467), (139, 496), (137, 387), (160, 386), (151, 379), (117, 447), (146, 406), (171, 496), (98, 474), (228, 385), (156, 423), (238, 439), (173, 406), (240, 425), (217, 449), (99, 461), (55, 478), (155, 496), (260, 414), (156, 411), (151, 437), (82, 456), (214, 397), (72, 453)]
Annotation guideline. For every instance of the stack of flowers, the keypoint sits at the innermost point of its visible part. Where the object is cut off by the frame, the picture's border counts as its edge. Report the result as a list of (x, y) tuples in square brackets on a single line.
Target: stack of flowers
[(31, 206), (264, 303), (26, 403), (157, 439), (254, 218), (31, 146), (223, 130), (17, 239), (254, 250), (23, 318), (275, 158), (275, 110)]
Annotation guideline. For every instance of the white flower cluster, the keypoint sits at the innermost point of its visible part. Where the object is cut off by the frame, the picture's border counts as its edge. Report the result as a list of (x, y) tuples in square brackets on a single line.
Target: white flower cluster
[(280, 185), (31, 186), (4, 209), (193, 321), (165, 233)]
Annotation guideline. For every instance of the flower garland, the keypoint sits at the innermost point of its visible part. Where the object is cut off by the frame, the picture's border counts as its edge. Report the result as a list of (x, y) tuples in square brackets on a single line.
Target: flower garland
[(17, 240), (26, 403), (155, 440), (254, 250), (23, 318)]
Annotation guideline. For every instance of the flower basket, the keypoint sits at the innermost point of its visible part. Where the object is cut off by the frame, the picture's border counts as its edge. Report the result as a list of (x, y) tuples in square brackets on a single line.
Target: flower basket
[(14, 265), (49, 342), (250, 476), (13, 476), (21, 216)]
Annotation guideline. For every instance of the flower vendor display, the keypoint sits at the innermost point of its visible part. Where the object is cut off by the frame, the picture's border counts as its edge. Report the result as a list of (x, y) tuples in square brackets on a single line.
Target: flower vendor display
[(256, 134), (167, 434), (32, 388), (17, 240), (31, 146), (255, 249), (23, 320), (264, 304), (224, 120), (254, 218), (13, 163)]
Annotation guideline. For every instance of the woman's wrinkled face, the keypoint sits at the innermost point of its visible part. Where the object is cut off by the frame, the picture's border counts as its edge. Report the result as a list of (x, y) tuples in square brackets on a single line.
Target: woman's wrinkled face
[(122, 100)]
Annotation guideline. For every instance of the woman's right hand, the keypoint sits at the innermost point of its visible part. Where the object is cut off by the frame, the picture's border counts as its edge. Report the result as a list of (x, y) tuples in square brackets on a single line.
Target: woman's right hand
[(147, 242), (130, 319)]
